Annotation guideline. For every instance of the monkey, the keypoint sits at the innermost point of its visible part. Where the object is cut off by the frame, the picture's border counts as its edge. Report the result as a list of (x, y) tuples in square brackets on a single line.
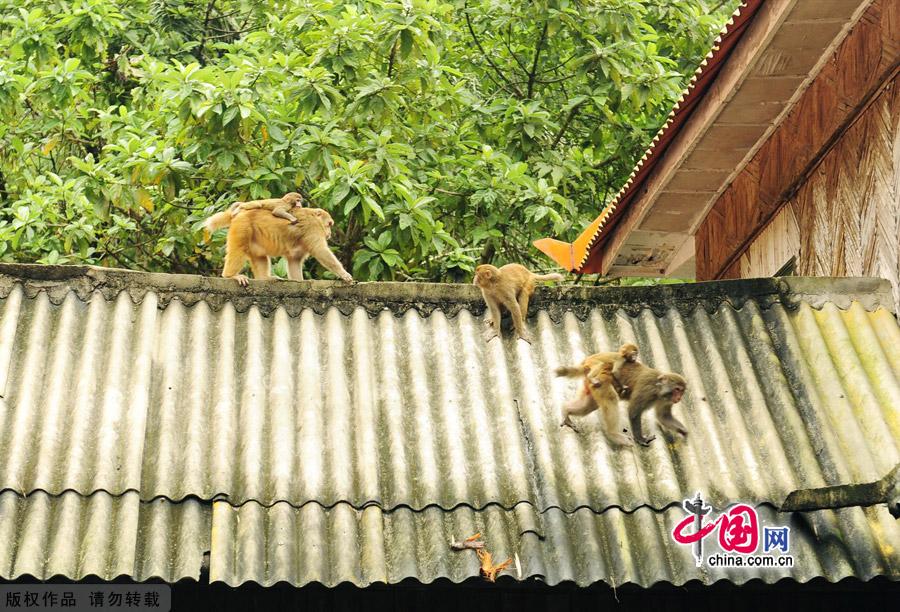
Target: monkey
[(601, 394), (600, 374), (257, 236), (651, 388), (510, 286), (647, 387), (280, 207), (590, 398)]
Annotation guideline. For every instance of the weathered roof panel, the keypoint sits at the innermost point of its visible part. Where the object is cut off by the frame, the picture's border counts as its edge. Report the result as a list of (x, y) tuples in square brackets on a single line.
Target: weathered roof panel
[(411, 410), (308, 432), (342, 544), (101, 535)]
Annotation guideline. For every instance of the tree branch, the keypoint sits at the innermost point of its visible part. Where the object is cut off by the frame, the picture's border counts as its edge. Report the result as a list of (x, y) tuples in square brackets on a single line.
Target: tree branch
[(560, 65), (209, 9), (484, 53), (511, 52), (537, 55), (562, 130), (390, 69), (453, 193), (559, 80), (233, 33)]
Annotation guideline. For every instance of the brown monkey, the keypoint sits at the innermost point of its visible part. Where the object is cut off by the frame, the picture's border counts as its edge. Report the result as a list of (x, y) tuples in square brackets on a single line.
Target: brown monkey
[(600, 394), (280, 207), (257, 236), (651, 388), (601, 373), (511, 287)]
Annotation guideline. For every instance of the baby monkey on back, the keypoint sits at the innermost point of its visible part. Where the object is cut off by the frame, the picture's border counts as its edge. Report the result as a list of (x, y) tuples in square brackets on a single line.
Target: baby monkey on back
[(280, 207), (610, 376), (511, 287), (609, 373)]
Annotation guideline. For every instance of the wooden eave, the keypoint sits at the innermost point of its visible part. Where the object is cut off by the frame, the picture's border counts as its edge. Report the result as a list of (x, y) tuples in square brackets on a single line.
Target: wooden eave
[(767, 56)]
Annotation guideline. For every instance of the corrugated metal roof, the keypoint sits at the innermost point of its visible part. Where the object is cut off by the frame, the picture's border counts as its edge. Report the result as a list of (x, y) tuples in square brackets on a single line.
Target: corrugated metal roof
[(303, 396)]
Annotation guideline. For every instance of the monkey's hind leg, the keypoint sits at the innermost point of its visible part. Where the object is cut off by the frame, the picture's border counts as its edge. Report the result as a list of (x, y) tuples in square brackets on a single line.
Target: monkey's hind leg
[(295, 267), (582, 405), (611, 424), (234, 263), (518, 318), (523, 309), (608, 403), (262, 267), (636, 431)]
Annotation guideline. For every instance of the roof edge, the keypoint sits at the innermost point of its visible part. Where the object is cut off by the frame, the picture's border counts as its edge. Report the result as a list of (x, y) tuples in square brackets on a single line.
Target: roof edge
[(449, 298)]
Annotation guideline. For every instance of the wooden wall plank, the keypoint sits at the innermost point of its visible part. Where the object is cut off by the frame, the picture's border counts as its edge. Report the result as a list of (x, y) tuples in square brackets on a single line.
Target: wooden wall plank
[(845, 219)]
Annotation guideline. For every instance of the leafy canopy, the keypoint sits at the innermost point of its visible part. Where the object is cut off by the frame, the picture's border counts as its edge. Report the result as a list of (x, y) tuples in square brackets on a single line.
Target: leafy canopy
[(438, 134)]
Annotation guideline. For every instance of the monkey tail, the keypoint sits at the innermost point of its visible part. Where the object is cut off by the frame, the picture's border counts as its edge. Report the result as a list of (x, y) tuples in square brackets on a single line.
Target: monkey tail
[(218, 221), (571, 371), (555, 276)]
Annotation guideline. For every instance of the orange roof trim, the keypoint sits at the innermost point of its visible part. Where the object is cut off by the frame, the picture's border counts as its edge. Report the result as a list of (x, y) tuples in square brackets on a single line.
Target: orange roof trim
[(583, 255)]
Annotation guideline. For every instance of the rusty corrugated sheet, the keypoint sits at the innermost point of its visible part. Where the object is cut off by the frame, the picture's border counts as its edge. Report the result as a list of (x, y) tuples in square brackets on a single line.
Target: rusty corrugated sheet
[(298, 396)]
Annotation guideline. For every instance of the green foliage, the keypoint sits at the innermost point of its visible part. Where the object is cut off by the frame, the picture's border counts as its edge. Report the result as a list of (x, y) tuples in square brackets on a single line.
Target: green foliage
[(438, 134)]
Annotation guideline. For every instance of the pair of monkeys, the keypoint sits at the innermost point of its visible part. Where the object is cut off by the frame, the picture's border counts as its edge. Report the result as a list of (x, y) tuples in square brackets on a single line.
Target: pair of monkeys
[(607, 376), (610, 376), (280, 227)]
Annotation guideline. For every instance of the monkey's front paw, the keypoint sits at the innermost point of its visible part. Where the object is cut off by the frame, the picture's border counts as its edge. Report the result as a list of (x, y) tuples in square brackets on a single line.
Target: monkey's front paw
[(348, 279), (241, 279), (570, 425), (621, 440), (490, 334), (645, 441)]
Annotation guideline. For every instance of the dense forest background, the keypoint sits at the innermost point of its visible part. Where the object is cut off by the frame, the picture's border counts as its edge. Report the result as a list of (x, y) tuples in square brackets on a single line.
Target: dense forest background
[(439, 134)]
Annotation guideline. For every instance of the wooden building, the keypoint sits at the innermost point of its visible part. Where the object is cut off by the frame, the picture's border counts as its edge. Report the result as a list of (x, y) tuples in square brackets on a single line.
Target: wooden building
[(782, 158)]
